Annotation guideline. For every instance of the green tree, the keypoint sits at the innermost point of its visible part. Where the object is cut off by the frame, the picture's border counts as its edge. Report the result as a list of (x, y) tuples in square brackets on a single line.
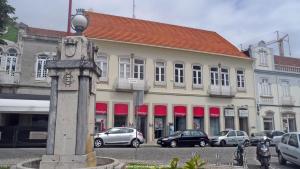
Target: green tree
[(5, 14)]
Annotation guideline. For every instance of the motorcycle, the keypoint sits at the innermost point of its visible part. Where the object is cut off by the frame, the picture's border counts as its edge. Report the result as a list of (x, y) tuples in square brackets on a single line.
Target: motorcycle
[(263, 154), (239, 155)]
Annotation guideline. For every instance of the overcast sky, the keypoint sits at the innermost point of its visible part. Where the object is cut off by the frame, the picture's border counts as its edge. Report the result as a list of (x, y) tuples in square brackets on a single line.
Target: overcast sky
[(239, 21)]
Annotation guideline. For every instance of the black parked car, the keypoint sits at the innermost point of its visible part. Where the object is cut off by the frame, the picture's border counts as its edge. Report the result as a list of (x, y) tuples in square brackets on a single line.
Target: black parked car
[(185, 138)]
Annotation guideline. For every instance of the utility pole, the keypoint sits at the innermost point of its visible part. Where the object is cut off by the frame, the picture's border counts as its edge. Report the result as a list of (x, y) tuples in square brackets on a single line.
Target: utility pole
[(133, 9), (69, 17)]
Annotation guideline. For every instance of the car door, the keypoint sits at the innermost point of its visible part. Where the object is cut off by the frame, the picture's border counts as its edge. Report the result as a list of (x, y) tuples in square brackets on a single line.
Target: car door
[(283, 146), (240, 136), (293, 149), (231, 138), (196, 137), (111, 136), (186, 138), (124, 136)]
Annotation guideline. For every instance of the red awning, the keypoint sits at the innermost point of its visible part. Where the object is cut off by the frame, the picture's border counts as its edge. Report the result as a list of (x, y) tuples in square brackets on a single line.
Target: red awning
[(198, 111), (180, 110), (160, 110), (121, 109), (214, 111), (142, 110), (101, 108)]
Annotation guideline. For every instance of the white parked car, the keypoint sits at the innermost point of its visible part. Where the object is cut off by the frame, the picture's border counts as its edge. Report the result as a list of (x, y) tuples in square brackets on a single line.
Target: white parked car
[(289, 148), (230, 137), (119, 136)]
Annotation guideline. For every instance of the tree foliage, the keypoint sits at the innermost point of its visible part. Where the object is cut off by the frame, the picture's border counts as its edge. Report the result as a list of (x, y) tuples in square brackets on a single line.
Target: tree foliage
[(5, 14)]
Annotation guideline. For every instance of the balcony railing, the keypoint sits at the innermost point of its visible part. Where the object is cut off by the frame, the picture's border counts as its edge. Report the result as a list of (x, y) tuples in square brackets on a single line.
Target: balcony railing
[(221, 91), (126, 85), (8, 79), (287, 101), (266, 99), (284, 68)]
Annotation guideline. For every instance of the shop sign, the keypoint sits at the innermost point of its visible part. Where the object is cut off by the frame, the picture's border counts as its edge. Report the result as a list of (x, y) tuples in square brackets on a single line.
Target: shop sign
[(243, 113), (229, 112)]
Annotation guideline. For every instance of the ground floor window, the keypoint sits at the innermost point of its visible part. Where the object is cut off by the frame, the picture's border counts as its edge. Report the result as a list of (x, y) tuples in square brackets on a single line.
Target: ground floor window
[(120, 121), (268, 123), (198, 123), (289, 122), (159, 127), (229, 118), (214, 126), (244, 124), (142, 125), (180, 123), (101, 123)]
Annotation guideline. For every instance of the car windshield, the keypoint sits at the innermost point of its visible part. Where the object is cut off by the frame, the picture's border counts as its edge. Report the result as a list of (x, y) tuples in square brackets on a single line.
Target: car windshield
[(222, 133), (176, 133)]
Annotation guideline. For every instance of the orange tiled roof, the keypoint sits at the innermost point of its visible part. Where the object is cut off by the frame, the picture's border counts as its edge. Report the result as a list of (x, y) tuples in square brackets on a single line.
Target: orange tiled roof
[(287, 61), (116, 28), (45, 32)]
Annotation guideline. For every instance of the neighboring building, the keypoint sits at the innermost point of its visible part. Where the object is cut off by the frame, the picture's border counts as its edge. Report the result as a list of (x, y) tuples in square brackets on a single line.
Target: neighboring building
[(277, 89), (192, 78), (24, 85)]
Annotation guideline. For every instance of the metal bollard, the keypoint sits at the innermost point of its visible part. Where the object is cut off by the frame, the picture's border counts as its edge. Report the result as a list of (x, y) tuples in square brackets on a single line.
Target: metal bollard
[(217, 159)]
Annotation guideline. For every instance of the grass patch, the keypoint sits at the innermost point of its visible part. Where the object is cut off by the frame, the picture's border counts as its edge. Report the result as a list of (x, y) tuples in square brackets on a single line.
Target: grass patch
[(2, 167)]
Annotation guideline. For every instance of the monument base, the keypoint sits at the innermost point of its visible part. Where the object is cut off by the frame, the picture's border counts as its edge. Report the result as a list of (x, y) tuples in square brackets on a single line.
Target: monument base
[(68, 161)]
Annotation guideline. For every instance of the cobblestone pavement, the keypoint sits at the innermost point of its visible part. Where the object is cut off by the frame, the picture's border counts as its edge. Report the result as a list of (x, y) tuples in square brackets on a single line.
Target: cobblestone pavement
[(213, 155)]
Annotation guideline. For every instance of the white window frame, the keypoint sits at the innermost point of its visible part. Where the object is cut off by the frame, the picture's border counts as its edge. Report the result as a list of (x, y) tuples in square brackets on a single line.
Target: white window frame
[(285, 87), (225, 79), (125, 71), (179, 83), (160, 82), (263, 57), (240, 80), (214, 76), (199, 83), (265, 88), (12, 59), (42, 74), (101, 59), (139, 74)]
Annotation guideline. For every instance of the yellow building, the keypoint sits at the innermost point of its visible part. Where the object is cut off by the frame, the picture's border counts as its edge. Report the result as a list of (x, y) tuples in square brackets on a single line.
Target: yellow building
[(191, 78)]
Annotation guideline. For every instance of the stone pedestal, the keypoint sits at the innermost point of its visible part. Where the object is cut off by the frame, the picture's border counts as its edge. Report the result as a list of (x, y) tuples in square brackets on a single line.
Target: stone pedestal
[(70, 142)]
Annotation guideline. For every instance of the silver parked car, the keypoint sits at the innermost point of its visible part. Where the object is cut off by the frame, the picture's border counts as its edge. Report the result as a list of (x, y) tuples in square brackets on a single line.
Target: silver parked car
[(289, 148), (119, 136), (230, 137)]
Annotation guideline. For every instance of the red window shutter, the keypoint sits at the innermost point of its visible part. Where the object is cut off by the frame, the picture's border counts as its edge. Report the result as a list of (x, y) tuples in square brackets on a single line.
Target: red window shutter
[(214, 111), (160, 110), (142, 110), (198, 111), (180, 110), (121, 109), (101, 108)]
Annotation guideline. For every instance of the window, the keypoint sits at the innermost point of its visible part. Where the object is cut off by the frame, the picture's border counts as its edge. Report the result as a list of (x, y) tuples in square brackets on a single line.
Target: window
[(124, 69), (285, 138), (240, 133), (179, 75), (225, 77), (11, 61), (265, 88), (285, 88), (102, 62), (268, 123), (114, 131), (240, 78), (160, 72), (186, 133), (293, 141), (197, 75), (138, 69), (263, 57), (214, 76), (289, 122), (231, 134), (41, 71)]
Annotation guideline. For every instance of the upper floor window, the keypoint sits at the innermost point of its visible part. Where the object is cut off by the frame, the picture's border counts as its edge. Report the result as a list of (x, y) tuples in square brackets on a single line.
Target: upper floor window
[(102, 62), (179, 74), (124, 68), (263, 58), (160, 72), (265, 88), (214, 76), (225, 76), (285, 88), (197, 75), (138, 69), (240, 78), (11, 61), (41, 70)]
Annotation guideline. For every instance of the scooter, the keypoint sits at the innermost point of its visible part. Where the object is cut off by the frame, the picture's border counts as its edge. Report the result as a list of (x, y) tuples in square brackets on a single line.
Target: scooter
[(239, 155), (263, 154)]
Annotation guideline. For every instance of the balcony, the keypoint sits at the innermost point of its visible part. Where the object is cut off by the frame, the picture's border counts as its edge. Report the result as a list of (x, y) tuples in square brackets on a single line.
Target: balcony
[(266, 100), (284, 68), (131, 85), (7, 79), (287, 101), (221, 91)]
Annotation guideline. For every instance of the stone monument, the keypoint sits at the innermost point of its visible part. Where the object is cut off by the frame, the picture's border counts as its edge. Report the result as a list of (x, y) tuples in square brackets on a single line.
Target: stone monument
[(70, 142)]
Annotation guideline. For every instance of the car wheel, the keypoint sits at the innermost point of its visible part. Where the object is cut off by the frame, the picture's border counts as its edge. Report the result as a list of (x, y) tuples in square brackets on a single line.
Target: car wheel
[(173, 144), (222, 143), (281, 160), (202, 143), (135, 143), (98, 143)]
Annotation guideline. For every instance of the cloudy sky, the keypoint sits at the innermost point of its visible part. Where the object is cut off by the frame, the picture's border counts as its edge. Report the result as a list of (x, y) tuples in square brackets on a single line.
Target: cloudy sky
[(239, 21)]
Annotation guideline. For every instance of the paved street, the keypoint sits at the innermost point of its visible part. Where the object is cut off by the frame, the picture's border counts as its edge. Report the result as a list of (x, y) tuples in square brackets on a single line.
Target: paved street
[(150, 155)]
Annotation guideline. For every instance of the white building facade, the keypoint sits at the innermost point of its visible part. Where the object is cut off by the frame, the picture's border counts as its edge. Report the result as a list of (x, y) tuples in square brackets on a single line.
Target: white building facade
[(277, 89)]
